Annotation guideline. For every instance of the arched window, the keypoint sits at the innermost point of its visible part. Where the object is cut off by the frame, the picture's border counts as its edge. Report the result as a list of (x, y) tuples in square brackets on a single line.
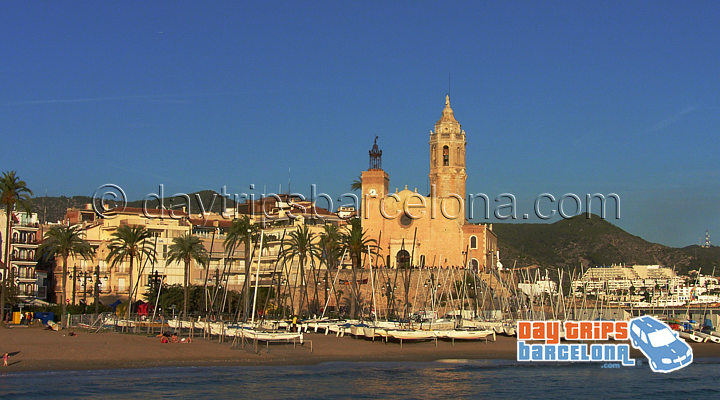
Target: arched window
[(473, 242), (446, 156), (403, 259), (474, 264)]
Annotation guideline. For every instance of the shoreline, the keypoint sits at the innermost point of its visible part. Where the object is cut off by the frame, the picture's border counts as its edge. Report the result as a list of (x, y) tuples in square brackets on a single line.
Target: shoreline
[(40, 350)]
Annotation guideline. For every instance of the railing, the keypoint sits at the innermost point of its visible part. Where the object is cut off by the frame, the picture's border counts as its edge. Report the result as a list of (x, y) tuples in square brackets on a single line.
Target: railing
[(19, 258), (27, 225), (24, 241)]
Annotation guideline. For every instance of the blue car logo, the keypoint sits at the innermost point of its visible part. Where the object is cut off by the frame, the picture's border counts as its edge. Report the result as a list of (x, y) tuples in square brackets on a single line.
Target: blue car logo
[(665, 351)]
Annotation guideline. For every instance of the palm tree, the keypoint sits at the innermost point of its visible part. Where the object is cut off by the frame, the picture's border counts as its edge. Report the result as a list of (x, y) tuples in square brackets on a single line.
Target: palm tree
[(332, 252), (356, 184), (331, 246), (13, 191), (302, 244), (65, 241), (187, 248), (130, 242), (242, 231), (356, 242)]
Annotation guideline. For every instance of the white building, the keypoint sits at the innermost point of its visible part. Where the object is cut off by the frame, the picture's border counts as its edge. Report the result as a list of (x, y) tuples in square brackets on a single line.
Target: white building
[(24, 238)]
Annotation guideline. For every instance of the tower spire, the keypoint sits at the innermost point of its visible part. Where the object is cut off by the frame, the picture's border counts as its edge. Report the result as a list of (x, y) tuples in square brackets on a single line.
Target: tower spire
[(447, 114), (375, 156)]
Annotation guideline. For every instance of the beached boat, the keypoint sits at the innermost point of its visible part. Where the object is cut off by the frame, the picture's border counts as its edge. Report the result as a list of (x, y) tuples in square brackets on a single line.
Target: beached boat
[(358, 329), (708, 337), (466, 334), (509, 328), (402, 334), (268, 336), (691, 336), (175, 323)]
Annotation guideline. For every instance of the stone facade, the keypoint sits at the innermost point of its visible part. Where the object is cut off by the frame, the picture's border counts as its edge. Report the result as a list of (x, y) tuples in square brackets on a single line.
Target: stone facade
[(430, 230)]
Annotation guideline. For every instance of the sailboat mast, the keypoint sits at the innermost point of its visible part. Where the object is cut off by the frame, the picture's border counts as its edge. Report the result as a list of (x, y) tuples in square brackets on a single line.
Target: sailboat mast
[(257, 278)]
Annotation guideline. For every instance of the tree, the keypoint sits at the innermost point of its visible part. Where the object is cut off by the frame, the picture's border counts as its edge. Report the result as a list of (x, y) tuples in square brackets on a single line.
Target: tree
[(356, 242), (302, 244), (242, 231), (130, 242), (65, 241), (356, 184), (331, 245), (13, 191), (332, 253), (187, 248)]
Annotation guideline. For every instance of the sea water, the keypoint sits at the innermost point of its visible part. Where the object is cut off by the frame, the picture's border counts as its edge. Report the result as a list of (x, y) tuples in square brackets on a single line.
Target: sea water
[(453, 379)]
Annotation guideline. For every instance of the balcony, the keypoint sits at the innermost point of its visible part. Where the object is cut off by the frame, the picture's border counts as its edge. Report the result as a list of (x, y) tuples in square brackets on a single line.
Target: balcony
[(30, 258), (26, 241), (26, 226)]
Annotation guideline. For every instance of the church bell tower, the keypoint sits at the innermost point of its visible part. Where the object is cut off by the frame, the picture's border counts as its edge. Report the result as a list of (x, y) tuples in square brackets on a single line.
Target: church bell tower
[(447, 156), (374, 182)]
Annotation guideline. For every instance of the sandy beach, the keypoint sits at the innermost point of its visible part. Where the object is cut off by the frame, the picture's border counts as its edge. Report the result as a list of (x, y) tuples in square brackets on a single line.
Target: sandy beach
[(35, 349)]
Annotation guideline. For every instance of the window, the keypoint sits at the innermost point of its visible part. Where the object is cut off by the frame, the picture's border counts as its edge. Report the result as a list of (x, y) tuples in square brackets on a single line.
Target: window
[(474, 264), (660, 338), (473, 242), (446, 156)]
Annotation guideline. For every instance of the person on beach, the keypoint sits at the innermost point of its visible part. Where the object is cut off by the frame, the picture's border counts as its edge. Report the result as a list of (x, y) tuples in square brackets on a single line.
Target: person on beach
[(5, 358), (294, 323)]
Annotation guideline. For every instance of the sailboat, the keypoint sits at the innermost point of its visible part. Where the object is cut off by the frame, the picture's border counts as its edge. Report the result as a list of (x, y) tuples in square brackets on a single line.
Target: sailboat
[(466, 334)]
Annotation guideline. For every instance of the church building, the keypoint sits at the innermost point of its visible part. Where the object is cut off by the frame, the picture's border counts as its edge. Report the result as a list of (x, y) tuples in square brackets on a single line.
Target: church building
[(429, 230)]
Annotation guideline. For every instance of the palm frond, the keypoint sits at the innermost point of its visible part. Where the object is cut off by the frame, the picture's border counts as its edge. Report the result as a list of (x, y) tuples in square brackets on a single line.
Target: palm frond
[(130, 241), (65, 241)]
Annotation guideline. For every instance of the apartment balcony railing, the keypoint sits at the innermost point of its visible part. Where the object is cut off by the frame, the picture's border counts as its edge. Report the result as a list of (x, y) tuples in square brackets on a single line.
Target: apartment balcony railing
[(27, 225), (24, 241), (22, 258)]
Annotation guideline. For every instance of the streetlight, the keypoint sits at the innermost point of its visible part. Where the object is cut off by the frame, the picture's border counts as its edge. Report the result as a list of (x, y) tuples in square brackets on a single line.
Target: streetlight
[(83, 277)]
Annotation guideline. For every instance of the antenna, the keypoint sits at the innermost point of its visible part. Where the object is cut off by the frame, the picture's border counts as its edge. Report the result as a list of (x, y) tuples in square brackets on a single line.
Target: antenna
[(45, 207), (707, 239)]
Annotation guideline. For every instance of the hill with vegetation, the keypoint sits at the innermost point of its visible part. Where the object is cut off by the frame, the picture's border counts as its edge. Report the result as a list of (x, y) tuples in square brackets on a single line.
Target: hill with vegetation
[(581, 241), (52, 209)]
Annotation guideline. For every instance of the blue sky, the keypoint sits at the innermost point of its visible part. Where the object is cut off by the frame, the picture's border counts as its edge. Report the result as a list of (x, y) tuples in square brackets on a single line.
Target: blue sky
[(555, 97)]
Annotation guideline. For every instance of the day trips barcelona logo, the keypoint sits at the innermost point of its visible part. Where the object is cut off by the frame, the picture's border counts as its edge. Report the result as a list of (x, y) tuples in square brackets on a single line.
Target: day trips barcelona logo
[(664, 349)]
